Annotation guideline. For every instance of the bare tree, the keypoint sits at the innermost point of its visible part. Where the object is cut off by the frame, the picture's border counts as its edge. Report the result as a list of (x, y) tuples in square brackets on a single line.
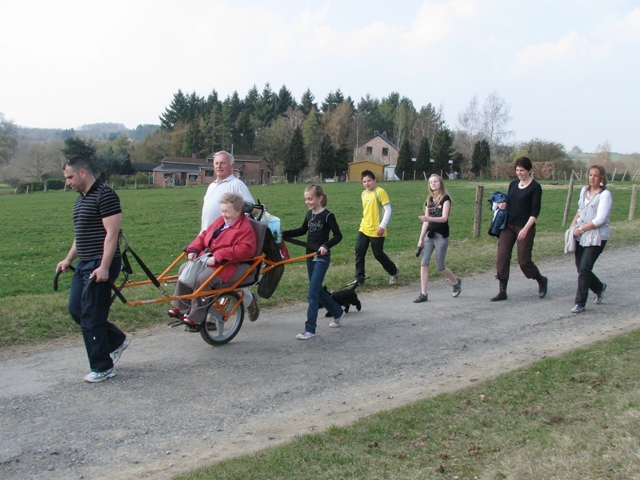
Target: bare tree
[(273, 141), (339, 125), (495, 119), (469, 126), (295, 118), (8, 139), (40, 159), (603, 155), (153, 148), (403, 122)]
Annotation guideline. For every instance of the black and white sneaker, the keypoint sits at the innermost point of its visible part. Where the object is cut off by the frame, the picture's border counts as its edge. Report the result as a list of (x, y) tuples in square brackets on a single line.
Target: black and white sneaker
[(457, 288)]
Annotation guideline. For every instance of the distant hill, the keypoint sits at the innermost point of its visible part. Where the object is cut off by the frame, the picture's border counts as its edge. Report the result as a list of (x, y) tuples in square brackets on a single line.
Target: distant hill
[(96, 131)]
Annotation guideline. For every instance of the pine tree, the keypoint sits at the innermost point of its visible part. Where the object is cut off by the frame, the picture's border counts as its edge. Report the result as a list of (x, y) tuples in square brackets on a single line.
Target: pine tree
[(326, 165), (343, 154), (404, 167), (77, 146), (194, 143), (442, 150), (266, 108), (295, 160), (332, 100), (175, 112), (284, 101), (481, 157), (307, 102), (423, 160)]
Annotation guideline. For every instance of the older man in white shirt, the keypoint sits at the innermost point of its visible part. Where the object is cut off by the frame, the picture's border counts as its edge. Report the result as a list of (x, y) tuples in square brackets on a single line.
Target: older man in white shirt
[(226, 182)]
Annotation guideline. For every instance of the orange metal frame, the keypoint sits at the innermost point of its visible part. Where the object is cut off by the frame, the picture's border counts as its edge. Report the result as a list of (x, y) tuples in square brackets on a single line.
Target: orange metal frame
[(204, 290)]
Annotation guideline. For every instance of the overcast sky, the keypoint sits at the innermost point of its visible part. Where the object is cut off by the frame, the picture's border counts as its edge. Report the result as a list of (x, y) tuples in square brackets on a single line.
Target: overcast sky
[(570, 69)]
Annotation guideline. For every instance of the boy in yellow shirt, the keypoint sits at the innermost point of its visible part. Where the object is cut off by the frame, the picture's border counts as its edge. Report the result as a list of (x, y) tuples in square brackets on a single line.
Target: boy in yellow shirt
[(376, 213)]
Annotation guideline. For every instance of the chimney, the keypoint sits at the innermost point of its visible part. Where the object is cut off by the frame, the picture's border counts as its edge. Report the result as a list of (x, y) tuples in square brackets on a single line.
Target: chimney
[(376, 133), (384, 134)]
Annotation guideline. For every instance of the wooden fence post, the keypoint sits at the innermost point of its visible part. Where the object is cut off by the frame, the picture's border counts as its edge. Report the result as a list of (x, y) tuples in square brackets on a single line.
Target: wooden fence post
[(632, 207), (567, 206), (477, 219)]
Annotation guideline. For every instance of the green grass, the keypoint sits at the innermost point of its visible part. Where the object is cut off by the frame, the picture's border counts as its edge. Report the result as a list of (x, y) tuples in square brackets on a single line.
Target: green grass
[(37, 231), (572, 417)]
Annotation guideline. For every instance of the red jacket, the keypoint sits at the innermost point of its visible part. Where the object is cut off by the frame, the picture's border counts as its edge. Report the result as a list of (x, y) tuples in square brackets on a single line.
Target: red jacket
[(238, 242)]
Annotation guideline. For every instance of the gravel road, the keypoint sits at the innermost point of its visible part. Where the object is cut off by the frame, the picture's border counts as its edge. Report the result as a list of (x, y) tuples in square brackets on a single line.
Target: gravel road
[(178, 403)]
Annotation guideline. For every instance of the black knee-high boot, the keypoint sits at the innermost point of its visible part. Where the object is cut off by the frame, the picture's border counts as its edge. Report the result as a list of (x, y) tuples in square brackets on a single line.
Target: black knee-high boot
[(502, 294)]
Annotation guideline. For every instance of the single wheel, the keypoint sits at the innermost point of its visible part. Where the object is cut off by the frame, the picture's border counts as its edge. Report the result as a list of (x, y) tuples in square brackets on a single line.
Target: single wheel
[(216, 330)]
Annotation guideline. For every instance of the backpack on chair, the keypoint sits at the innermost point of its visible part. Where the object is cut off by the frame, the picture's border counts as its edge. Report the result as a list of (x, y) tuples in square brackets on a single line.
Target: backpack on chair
[(270, 280)]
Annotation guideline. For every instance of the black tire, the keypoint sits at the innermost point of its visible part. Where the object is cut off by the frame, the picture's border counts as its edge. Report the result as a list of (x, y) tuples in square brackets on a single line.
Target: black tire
[(215, 330)]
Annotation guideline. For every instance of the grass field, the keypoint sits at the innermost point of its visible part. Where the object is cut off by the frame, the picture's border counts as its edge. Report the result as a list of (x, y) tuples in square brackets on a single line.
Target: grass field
[(38, 230)]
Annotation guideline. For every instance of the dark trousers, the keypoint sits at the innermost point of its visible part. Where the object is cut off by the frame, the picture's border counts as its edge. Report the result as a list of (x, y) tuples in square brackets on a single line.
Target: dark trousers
[(89, 306), (377, 247), (585, 260), (506, 240)]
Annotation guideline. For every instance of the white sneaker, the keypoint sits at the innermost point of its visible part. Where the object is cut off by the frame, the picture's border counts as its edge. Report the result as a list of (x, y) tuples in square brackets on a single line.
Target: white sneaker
[(95, 377), (115, 355), (393, 279), (336, 321), (305, 335)]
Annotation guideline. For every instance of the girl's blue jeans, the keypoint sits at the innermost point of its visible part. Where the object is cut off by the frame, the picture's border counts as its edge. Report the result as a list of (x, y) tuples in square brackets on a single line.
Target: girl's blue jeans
[(317, 268)]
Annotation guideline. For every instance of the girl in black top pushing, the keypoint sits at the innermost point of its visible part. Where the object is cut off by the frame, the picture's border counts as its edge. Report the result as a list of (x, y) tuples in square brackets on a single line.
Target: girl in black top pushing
[(318, 223)]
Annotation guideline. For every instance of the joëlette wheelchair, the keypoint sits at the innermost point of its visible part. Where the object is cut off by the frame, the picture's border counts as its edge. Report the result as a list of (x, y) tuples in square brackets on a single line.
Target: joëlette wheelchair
[(224, 305)]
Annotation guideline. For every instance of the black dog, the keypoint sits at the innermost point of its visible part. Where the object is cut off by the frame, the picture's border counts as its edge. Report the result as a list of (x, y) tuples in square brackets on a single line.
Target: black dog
[(345, 298)]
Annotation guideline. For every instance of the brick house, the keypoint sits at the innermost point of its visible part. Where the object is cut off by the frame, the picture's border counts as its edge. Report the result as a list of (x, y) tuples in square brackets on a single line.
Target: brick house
[(183, 171)]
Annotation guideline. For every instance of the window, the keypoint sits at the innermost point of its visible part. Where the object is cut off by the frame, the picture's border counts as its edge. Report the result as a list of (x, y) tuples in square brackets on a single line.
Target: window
[(385, 152), (369, 150), (193, 178), (208, 173)]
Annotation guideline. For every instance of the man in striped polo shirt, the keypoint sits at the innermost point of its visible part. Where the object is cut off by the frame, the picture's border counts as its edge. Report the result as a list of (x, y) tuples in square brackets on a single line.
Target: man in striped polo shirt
[(97, 217)]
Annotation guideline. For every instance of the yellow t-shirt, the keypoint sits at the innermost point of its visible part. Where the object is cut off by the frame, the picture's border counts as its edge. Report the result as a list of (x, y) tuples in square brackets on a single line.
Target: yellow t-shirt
[(372, 211)]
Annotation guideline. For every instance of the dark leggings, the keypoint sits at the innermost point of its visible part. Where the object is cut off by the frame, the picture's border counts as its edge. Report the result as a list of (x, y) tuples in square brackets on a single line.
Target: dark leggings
[(587, 280)]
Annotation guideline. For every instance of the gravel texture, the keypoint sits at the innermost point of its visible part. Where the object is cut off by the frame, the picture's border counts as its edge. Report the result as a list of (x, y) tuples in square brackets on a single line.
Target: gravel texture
[(178, 403)]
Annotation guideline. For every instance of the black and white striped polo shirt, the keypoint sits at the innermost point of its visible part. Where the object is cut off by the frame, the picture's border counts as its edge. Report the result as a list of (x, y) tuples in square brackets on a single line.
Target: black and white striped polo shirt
[(89, 210)]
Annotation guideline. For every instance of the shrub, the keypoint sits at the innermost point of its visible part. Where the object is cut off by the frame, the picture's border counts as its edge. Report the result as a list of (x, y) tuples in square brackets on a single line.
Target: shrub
[(22, 187), (55, 184)]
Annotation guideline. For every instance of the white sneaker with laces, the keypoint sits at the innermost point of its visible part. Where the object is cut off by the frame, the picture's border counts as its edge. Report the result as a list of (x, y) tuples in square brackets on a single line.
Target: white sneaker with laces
[(95, 377), (115, 355), (305, 335)]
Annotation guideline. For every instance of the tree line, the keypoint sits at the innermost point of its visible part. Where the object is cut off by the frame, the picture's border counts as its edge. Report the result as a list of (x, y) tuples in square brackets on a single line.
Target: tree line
[(299, 138), (321, 137)]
